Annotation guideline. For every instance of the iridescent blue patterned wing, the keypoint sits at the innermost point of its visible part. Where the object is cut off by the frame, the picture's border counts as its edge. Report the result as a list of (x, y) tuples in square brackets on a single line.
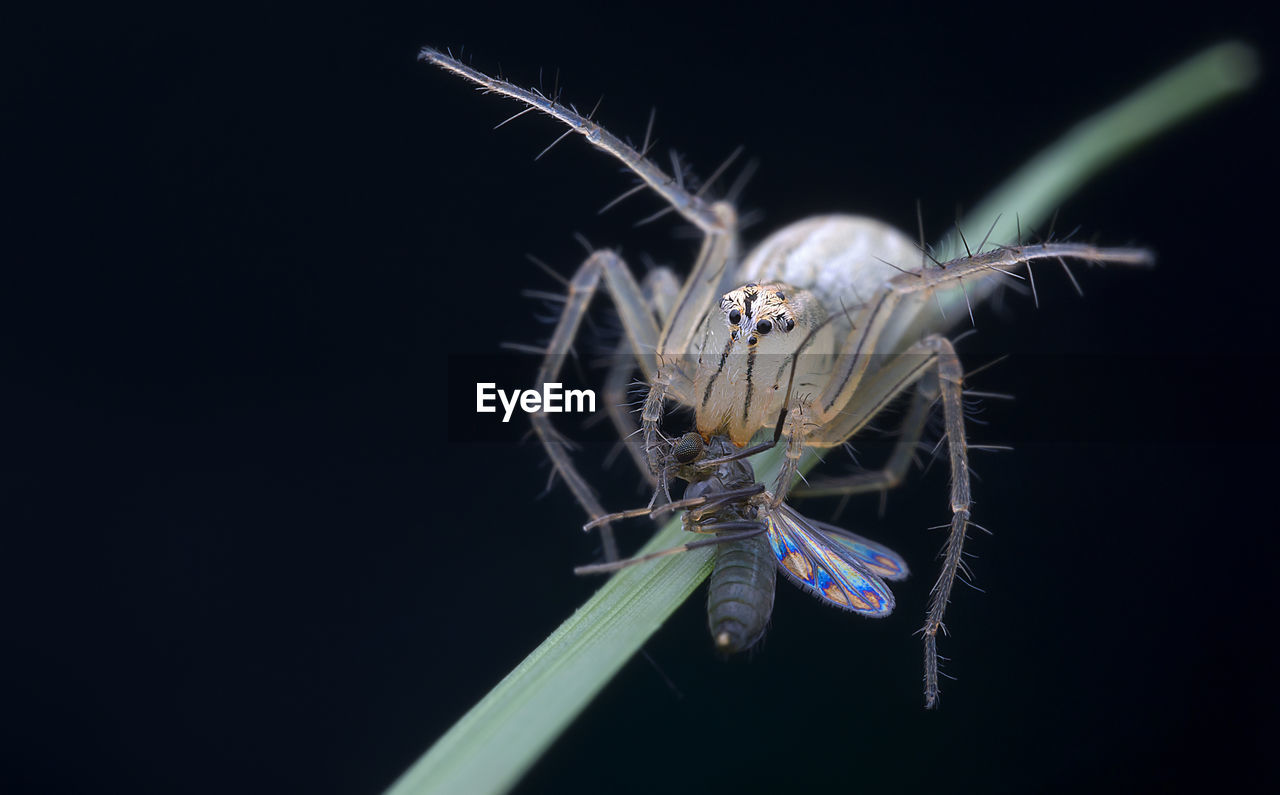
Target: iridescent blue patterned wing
[(824, 567), (883, 562)]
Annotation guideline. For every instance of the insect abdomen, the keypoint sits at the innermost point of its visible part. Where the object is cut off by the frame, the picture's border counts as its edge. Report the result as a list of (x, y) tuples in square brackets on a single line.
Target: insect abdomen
[(740, 599)]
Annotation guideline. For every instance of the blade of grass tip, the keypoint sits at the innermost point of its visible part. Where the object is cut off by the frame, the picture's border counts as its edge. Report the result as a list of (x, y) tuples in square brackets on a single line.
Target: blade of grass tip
[(491, 746), (1040, 186)]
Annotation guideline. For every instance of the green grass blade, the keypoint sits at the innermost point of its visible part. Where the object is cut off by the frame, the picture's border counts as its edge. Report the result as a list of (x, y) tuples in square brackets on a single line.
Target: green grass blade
[(1040, 186), (504, 734), (493, 744)]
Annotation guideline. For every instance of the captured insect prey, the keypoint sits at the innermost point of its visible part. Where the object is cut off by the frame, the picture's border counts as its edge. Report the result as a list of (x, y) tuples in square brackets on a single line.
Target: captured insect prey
[(755, 534), (794, 346)]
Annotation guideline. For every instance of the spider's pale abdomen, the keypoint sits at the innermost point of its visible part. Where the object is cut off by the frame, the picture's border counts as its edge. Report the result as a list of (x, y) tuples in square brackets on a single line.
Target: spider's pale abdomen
[(841, 259)]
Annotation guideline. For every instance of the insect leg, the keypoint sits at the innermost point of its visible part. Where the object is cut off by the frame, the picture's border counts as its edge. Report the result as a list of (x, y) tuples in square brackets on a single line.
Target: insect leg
[(704, 503), (743, 529), (717, 501), (747, 452)]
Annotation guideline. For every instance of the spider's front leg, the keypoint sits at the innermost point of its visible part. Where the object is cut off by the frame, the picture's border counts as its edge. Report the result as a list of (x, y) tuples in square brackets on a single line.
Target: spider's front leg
[(808, 426), (660, 288), (642, 333), (950, 375), (718, 222), (684, 335), (895, 469)]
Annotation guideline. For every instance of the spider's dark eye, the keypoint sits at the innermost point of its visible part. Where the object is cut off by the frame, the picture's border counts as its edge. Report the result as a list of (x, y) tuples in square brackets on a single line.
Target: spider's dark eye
[(751, 340), (735, 317), (782, 296), (788, 324), (764, 327)]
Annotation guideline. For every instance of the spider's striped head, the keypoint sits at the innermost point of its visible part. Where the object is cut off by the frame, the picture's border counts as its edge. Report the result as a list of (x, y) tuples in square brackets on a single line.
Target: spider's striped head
[(756, 310), (749, 358)]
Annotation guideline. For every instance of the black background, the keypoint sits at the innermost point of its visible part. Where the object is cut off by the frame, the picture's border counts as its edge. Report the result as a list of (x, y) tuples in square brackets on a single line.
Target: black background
[(255, 539)]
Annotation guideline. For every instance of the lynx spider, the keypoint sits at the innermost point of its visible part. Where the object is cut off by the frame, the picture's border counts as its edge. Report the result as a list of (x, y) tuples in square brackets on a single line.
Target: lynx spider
[(853, 294)]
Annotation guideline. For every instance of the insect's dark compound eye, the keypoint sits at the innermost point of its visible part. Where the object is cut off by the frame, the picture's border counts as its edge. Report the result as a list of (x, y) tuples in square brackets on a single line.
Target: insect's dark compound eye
[(735, 317), (687, 448), (764, 327), (788, 324)]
